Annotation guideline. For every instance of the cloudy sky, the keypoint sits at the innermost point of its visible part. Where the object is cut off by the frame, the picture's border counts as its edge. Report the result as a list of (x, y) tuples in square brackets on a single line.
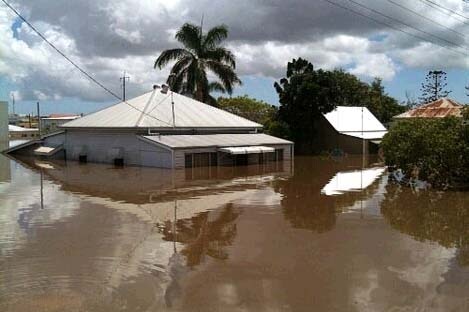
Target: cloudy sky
[(108, 37)]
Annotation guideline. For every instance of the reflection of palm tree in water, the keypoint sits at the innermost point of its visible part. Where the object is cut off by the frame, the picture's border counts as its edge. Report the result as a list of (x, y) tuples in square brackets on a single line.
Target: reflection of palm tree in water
[(208, 233), (200, 236)]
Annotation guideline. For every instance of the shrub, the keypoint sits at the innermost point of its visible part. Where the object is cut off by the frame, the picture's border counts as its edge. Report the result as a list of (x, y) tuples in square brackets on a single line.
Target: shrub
[(430, 149)]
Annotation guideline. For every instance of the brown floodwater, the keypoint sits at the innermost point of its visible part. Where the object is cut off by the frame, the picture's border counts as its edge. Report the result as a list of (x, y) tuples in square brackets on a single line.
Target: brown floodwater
[(317, 235)]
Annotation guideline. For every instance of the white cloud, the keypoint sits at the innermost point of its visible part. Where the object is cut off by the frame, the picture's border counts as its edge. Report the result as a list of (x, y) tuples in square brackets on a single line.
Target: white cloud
[(109, 37)]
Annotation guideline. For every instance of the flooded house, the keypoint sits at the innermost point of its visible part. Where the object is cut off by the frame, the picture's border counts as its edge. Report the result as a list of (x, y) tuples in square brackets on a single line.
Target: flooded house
[(52, 122), (440, 108), (351, 130), (162, 129), (22, 133)]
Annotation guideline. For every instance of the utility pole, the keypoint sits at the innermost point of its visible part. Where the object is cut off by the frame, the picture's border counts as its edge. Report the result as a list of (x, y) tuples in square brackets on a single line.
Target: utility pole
[(39, 120), (13, 101), (124, 78)]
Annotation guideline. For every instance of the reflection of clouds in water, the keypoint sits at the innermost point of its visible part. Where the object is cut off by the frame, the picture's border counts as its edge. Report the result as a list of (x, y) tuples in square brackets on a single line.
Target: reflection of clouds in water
[(418, 274), (21, 211)]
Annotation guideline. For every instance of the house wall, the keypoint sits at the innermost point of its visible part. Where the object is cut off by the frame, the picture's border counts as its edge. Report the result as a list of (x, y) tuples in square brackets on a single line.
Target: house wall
[(21, 135), (330, 139), (105, 147)]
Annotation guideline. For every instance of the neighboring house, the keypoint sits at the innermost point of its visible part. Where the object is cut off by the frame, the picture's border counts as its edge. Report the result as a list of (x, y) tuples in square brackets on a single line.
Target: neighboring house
[(168, 130), (349, 129), (54, 121), (20, 133), (443, 107)]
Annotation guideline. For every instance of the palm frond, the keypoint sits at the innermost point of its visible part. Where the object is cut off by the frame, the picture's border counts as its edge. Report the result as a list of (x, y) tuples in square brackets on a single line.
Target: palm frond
[(190, 36), (168, 56), (215, 36), (216, 86), (222, 55), (226, 75)]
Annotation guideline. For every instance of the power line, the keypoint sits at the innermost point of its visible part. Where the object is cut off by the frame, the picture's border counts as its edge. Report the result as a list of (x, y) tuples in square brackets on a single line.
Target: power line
[(447, 9), (76, 65), (403, 23), (390, 26), (60, 52), (426, 18), (440, 9)]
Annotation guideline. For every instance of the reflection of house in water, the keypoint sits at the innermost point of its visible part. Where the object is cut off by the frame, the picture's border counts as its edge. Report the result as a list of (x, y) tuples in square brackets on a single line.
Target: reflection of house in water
[(348, 181), (304, 203), (139, 220)]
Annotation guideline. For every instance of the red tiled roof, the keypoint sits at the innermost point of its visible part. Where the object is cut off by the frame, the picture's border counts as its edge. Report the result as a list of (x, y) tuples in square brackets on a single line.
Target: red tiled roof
[(438, 109)]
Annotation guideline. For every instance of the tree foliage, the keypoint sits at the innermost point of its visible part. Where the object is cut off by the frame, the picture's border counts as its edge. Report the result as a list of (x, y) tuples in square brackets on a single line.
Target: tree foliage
[(249, 108), (434, 150), (305, 94), (434, 87), (257, 111), (202, 52)]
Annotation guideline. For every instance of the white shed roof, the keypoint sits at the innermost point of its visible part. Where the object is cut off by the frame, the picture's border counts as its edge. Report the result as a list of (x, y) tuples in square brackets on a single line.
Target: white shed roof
[(154, 110), (14, 128), (353, 121), (216, 140)]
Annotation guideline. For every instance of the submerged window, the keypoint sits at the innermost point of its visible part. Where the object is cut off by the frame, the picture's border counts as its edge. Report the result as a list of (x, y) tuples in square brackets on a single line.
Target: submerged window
[(193, 160)]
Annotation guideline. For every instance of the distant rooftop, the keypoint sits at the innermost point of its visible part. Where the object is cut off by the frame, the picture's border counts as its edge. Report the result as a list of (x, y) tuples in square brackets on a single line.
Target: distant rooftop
[(62, 117), (14, 128), (443, 107), (154, 110)]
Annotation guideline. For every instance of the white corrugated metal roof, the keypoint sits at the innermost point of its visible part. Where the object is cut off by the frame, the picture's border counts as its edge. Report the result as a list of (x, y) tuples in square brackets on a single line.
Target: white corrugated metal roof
[(353, 120), (349, 119), (157, 109), (14, 128), (237, 150), (216, 140), (371, 135)]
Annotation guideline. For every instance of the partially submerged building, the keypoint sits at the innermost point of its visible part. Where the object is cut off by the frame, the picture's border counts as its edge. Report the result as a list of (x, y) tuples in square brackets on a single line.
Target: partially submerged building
[(163, 129), (440, 108), (350, 130), (53, 122), (21, 133)]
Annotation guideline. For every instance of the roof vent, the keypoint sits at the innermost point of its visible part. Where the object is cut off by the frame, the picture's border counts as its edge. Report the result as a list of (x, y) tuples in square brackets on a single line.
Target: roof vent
[(155, 86), (164, 89)]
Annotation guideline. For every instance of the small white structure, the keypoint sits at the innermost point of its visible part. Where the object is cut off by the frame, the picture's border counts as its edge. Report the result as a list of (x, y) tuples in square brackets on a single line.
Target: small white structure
[(167, 130), (349, 127), (21, 133), (54, 121)]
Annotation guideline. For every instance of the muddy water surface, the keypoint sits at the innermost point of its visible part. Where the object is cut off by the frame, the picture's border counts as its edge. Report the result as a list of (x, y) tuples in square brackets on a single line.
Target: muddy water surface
[(322, 236)]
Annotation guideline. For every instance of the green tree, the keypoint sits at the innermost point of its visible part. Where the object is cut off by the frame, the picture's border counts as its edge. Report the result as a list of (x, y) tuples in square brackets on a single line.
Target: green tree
[(434, 150), (257, 111), (202, 52), (381, 104), (434, 87), (304, 95), (249, 108)]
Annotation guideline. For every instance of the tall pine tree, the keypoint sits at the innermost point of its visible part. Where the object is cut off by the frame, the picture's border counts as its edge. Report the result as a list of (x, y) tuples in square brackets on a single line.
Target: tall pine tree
[(434, 87)]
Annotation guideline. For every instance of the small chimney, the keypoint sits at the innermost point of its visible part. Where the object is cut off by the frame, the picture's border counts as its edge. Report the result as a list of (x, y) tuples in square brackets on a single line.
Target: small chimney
[(164, 89)]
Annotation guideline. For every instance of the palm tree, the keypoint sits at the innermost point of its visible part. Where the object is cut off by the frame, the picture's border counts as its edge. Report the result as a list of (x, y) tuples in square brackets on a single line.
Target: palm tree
[(201, 53)]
